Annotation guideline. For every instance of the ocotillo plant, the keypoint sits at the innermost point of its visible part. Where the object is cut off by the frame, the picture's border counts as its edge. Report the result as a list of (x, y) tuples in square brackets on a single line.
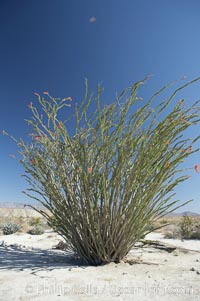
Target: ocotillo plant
[(108, 182)]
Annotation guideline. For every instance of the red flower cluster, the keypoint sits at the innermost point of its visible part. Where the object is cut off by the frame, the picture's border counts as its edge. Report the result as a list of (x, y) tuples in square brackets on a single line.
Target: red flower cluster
[(32, 161), (37, 137), (167, 164), (186, 150), (60, 125)]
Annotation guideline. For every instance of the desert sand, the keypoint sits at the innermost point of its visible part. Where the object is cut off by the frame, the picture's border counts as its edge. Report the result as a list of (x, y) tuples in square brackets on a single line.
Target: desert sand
[(32, 269)]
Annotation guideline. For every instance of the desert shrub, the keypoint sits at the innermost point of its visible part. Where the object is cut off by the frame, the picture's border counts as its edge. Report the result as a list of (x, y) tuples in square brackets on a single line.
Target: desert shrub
[(186, 229), (186, 226), (152, 227), (104, 184), (195, 234), (172, 234), (10, 228), (35, 221), (36, 230), (164, 221)]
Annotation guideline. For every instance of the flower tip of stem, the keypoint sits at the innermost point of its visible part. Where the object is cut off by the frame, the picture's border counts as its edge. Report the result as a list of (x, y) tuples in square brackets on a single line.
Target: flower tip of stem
[(30, 105), (196, 167), (90, 169), (183, 77), (37, 137), (149, 76)]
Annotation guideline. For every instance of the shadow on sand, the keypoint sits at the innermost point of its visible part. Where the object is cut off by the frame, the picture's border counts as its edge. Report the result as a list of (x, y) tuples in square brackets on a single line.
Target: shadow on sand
[(18, 258)]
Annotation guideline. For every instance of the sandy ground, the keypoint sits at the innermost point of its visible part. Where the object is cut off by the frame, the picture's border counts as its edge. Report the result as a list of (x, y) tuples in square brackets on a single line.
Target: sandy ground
[(30, 269)]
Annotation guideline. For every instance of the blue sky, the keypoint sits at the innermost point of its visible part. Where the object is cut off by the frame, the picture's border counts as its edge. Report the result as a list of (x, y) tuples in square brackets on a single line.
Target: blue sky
[(52, 46)]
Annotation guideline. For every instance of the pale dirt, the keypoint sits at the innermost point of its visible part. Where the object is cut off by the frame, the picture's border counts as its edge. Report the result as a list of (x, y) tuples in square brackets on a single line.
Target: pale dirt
[(31, 270)]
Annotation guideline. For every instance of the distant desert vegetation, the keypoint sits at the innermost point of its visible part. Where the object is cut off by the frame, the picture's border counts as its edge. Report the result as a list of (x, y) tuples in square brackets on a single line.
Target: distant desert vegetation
[(184, 225), (26, 218), (18, 213)]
